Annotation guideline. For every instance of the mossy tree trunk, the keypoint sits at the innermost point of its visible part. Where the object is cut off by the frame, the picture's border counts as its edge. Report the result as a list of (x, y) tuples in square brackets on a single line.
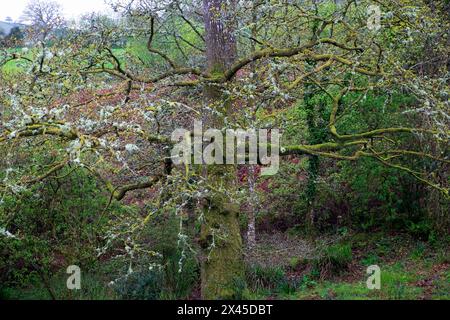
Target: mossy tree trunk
[(220, 238)]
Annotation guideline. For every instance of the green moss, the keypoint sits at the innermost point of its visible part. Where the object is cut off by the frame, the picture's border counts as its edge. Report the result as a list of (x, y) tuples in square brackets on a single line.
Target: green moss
[(221, 240)]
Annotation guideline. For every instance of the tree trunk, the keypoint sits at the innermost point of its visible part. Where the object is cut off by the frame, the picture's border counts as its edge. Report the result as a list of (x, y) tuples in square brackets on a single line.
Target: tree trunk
[(220, 238), (252, 170), (252, 208), (219, 21)]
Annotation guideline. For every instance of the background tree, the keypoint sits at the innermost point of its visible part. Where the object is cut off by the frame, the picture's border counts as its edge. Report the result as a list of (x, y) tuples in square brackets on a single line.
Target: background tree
[(44, 18)]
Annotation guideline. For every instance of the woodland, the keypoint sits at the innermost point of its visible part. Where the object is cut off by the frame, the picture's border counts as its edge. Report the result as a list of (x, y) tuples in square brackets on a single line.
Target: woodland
[(357, 89)]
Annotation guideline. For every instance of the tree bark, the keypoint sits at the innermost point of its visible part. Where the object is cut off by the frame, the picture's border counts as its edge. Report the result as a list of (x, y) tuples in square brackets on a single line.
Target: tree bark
[(220, 238), (221, 50), (252, 208)]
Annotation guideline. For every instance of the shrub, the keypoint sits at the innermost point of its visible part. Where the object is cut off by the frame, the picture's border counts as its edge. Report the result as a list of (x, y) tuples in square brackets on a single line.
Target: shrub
[(334, 259), (175, 272), (340, 255), (143, 285), (59, 223), (259, 277)]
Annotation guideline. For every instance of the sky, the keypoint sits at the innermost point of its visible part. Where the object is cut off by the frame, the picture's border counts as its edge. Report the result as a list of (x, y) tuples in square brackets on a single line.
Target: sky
[(71, 8)]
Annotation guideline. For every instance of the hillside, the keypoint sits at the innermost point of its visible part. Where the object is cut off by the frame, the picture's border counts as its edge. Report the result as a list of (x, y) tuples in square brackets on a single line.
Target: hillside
[(7, 26)]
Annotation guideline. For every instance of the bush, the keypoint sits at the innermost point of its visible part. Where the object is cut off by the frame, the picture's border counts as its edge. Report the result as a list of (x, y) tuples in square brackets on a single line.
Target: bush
[(164, 282), (334, 259), (143, 285), (340, 255), (259, 277), (175, 270), (59, 223), (93, 287), (180, 276)]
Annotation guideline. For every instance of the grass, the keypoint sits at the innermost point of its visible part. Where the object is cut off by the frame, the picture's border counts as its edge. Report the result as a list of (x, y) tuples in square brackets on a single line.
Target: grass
[(15, 66), (93, 288), (410, 270), (10, 67), (397, 283)]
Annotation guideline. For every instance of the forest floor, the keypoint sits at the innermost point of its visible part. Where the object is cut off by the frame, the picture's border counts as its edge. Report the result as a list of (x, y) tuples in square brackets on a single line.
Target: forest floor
[(291, 267)]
